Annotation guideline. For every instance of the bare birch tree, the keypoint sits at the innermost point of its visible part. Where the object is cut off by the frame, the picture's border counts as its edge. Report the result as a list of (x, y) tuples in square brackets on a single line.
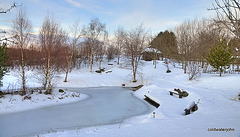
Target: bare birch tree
[(22, 29), (75, 36), (50, 36), (94, 31), (119, 41), (135, 42), (100, 51)]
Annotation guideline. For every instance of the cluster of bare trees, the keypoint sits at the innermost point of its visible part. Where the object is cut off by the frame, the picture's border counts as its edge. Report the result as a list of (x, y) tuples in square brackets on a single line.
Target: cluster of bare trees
[(51, 38), (94, 32), (194, 39), (55, 49), (189, 43)]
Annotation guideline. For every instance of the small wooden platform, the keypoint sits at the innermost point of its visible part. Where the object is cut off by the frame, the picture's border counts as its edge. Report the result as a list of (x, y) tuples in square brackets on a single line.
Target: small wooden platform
[(151, 100), (176, 93)]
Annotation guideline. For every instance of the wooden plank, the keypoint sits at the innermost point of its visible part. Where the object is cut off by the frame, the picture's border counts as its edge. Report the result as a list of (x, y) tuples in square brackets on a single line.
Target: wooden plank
[(151, 100)]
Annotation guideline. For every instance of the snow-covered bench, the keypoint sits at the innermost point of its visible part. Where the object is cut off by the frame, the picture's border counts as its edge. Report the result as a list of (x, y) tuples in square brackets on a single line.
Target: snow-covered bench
[(152, 100), (109, 71), (180, 95), (191, 107)]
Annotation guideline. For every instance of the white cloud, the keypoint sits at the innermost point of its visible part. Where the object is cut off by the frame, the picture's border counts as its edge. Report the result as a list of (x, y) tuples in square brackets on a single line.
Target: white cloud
[(90, 6), (151, 22), (75, 3)]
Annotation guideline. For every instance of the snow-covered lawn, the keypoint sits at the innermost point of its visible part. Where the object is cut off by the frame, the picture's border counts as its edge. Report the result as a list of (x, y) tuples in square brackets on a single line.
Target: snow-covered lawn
[(216, 109)]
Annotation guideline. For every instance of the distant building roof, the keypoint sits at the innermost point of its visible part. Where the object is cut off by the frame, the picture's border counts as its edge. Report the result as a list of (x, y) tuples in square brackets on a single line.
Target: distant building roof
[(152, 50)]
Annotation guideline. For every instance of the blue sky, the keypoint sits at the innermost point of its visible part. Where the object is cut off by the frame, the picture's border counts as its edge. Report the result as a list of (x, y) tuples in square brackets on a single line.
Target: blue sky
[(156, 15)]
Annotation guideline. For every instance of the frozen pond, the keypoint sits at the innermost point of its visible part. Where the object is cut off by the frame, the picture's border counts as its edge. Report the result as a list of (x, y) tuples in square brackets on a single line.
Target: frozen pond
[(108, 105)]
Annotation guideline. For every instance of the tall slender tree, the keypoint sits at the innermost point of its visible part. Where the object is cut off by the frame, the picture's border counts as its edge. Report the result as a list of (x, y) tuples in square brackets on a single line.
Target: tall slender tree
[(22, 29), (74, 41), (135, 42), (51, 36), (93, 32), (119, 41)]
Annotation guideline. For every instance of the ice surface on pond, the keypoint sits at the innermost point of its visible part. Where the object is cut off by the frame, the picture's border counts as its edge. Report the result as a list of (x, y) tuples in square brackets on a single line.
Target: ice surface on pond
[(104, 106)]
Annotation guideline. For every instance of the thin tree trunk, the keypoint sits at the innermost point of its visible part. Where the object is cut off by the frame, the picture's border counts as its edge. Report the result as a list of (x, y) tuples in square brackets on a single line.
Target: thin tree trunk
[(65, 80), (238, 67), (69, 61), (134, 77), (155, 63), (155, 60), (46, 74), (23, 74), (91, 59), (133, 69), (45, 82), (185, 67), (182, 64), (49, 88), (118, 60), (100, 60)]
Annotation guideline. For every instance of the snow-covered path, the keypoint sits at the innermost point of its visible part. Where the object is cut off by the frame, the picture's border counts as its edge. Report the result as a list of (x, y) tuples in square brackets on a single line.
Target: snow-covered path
[(104, 106)]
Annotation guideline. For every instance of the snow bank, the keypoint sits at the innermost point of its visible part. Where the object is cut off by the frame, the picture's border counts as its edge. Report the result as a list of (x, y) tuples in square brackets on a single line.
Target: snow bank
[(17, 103)]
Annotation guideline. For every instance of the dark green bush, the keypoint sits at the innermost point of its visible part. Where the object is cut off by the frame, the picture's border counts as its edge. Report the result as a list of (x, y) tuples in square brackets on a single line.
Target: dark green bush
[(168, 71), (61, 91), (185, 94)]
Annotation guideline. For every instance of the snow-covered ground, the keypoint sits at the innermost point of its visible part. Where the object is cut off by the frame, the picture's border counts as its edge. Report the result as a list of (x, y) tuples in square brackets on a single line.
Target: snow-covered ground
[(216, 109)]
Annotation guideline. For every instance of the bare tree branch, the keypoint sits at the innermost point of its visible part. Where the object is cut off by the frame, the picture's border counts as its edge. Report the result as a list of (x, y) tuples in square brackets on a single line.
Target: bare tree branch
[(9, 9), (228, 15)]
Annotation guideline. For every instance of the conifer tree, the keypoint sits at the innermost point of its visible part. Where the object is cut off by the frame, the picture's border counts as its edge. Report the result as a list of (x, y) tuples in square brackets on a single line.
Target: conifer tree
[(220, 57), (3, 61), (166, 43)]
